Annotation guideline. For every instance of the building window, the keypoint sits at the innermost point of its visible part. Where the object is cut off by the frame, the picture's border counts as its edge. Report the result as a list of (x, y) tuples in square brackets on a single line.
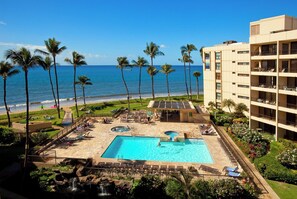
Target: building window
[(243, 52), (255, 29), (207, 66), (233, 83), (218, 76), (233, 72), (243, 63), (233, 94), (243, 75), (243, 86), (218, 66), (218, 86), (233, 61), (218, 96), (218, 55), (207, 60), (243, 97), (233, 50), (218, 104)]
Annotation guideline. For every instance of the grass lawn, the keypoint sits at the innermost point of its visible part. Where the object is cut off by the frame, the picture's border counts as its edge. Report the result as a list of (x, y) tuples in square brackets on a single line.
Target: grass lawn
[(283, 190)]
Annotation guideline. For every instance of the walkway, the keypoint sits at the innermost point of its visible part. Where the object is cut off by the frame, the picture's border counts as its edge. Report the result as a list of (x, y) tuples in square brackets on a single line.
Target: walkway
[(67, 117)]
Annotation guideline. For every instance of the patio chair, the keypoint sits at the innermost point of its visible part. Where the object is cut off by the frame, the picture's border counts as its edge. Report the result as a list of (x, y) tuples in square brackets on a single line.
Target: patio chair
[(163, 169), (171, 169), (232, 169), (233, 174), (180, 168)]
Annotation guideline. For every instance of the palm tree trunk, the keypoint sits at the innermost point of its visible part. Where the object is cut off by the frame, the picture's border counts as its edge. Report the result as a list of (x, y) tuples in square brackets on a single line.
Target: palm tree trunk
[(27, 121), (74, 88), (190, 79), (197, 86), (6, 107), (57, 87), (153, 91), (167, 82), (139, 85), (152, 62), (51, 82), (83, 88), (128, 96), (186, 80)]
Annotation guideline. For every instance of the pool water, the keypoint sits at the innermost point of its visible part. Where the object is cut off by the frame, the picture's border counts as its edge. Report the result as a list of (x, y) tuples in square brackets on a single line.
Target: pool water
[(150, 148), (120, 129), (171, 134)]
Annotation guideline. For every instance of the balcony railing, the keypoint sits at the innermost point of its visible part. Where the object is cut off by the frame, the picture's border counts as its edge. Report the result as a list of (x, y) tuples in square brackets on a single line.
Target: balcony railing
[(288, 51), (288, 88), (288, 105), (272, 118), (287, 122), (285, 70), (264, 101), (264, 53), (264, 86), (259, 69)]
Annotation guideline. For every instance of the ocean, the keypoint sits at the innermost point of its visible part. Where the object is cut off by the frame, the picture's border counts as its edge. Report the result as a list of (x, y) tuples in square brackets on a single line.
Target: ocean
[(107, 85)]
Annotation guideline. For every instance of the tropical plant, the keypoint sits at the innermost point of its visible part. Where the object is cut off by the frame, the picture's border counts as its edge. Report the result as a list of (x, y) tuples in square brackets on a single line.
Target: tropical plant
[(26, 60), (77, 60), (152, 71), (7, 70), (228, 103), (211, 105), (7, 136), (140, 62), (185, 180), (46, 64), (188, 49), (124, 63), (152, 50), (197, 74), (201, 52), (200, 189), (83, 81), (167, 69), (52, 47), (240, 108), (185, 59)]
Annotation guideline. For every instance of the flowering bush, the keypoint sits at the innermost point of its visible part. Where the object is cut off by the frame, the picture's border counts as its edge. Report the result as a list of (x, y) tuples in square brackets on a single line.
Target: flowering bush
[(289, 158)]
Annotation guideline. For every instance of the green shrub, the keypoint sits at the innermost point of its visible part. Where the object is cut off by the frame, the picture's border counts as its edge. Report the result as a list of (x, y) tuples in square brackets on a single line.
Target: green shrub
[(288, 158), (7, 136), (38, 137)]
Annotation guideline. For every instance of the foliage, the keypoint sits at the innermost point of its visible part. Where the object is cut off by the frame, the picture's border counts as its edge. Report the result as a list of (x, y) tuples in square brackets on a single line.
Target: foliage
[(174, 189), (221, 120), (7, 136), (239, 109), (201, 189), (38, 137), (288, 158), (228, 103)]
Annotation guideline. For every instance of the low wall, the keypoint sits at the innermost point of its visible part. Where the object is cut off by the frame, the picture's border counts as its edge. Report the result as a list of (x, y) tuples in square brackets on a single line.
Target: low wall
[(33, 126)]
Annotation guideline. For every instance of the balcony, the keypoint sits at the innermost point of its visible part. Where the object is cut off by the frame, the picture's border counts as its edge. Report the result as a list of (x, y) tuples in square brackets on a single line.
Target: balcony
[(288, 90), (264, 53), (288, 51), (264, 87), (288, 107), (263, 118), (266, 103), (289, 125)]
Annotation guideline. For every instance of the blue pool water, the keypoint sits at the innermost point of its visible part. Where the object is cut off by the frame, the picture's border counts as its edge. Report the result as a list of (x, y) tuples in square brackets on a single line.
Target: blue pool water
[(171, 134), (148, 148)]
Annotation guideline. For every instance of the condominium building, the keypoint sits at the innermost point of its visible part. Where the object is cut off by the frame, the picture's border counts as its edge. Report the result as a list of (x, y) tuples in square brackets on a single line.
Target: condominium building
[(261, 74), (273, 46), (226, 73)]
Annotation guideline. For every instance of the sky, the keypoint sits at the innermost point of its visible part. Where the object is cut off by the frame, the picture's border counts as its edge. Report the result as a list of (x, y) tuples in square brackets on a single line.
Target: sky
[(104, 30)]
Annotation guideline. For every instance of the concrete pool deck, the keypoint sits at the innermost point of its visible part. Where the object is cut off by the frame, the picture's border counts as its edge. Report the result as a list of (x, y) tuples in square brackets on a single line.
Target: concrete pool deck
[(100, 137)]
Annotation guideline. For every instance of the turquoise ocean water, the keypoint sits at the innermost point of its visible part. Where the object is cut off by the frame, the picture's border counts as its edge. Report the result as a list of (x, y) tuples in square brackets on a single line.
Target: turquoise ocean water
[(107, 85)]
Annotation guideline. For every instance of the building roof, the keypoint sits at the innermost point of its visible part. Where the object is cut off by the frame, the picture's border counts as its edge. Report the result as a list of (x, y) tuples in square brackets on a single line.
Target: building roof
[(170, 105)]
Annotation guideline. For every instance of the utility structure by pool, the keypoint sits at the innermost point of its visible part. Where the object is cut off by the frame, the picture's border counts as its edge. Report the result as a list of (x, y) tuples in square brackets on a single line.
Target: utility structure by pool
[(180, 111)]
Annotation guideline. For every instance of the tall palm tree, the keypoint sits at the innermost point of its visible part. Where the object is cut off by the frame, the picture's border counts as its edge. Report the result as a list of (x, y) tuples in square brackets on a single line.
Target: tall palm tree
[(185, 59), (123, 63), (77, 60), (53, 48), (7, 70), (167, 69), (228, 103), (185, 180), (46, 64), (152, 50), (188, 49), (26, 60), (83, 81), (152, 71), (141, 62), (197, 74), (240, 108)]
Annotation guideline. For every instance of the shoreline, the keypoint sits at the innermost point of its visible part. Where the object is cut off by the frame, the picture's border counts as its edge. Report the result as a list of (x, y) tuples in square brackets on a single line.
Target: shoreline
[(69, 103)]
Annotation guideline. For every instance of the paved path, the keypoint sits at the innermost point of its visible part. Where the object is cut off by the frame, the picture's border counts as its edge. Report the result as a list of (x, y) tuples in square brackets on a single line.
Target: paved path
[(67, 117)]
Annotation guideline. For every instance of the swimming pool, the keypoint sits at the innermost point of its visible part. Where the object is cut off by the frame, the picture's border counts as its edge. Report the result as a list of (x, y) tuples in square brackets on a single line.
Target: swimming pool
[(150, 148)]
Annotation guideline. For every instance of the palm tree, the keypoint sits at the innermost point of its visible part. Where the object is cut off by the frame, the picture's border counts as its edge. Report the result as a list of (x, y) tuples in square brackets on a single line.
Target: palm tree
[(188, 49), (152, 71), (123, 63), (152, 50), (141, 62), (185, 180), (6, 70), (83, 81), (53, 48), (211, 105), (46, 64), (167, 69), (197, 75), (228, 103), (185, 58), (201, 52), (26, 60), (77, 60), (239, 108)]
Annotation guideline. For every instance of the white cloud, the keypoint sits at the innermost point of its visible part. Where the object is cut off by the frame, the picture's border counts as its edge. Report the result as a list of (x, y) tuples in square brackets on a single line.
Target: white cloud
[(91, 55), (2, 23), (18, 45), (162, 46)]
